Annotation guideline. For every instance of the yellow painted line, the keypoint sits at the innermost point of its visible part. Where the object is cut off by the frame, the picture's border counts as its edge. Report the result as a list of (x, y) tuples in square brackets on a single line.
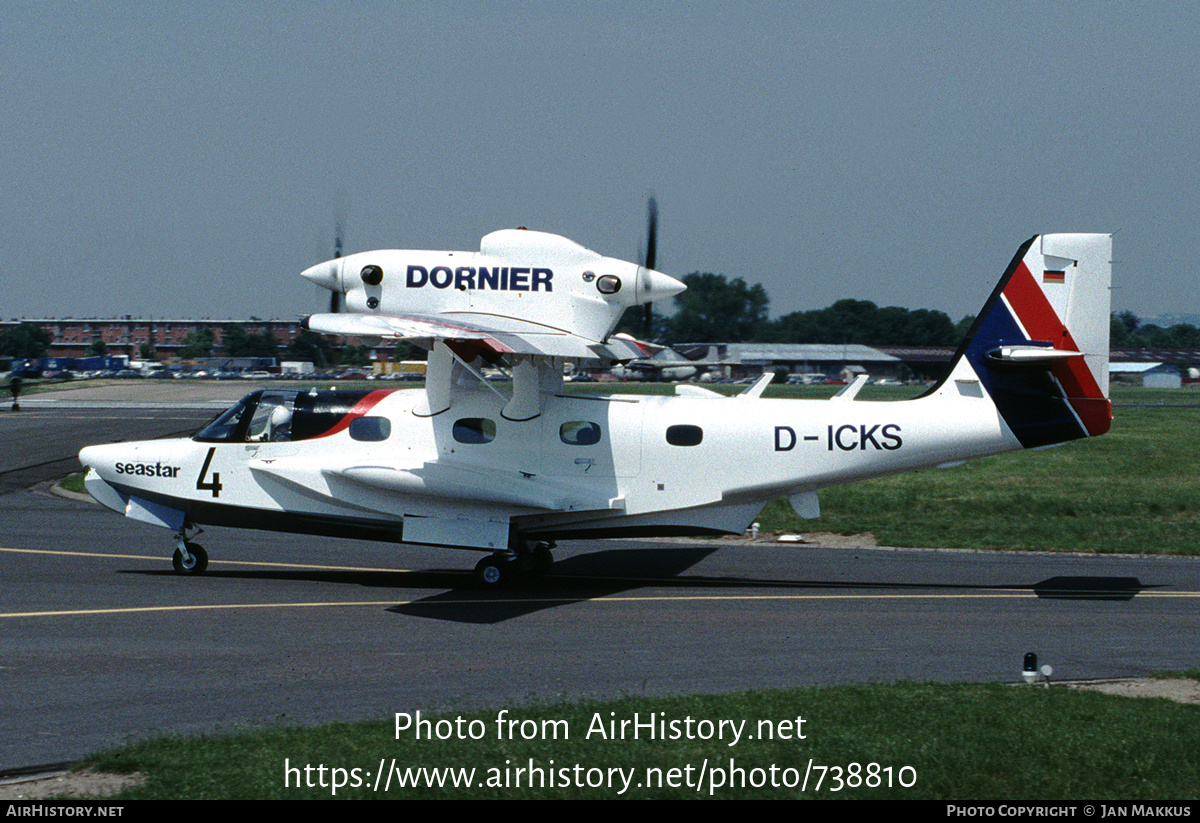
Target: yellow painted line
[(648, 581), (529, 600), (993, 593), (468, 602), (160, 558), (210, 607), (1023, 593)]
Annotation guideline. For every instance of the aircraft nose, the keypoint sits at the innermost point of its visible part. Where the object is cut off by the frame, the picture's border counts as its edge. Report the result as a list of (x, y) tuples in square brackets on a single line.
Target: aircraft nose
[(654, 285), (105, 457), (95, 457), (327, 275)]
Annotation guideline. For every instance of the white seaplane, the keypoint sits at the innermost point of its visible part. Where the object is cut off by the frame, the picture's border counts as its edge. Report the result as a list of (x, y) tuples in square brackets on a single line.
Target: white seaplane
[(511, 469)]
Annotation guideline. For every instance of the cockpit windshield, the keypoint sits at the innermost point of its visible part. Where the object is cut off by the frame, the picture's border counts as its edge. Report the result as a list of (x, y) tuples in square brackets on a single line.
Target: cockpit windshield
[(226, 425), (272, 415)]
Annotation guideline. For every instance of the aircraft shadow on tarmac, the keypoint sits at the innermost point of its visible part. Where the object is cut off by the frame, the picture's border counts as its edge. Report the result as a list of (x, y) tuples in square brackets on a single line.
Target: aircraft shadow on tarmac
[(611, 572)]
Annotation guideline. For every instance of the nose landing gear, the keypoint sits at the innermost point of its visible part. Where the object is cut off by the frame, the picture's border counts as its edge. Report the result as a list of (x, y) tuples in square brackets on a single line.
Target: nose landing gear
[(189, 557)]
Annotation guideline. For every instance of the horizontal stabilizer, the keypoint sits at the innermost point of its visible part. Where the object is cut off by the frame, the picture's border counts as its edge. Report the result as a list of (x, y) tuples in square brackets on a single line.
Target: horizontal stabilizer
[(1030, 354)]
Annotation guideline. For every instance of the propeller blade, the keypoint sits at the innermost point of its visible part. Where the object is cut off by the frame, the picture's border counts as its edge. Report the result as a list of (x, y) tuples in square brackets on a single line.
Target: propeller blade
[(652, 234), (651, 255), (339, 240)]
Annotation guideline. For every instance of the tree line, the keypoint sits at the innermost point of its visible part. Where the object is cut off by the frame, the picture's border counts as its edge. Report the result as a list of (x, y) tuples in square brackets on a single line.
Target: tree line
[(715, 309), (1128, 332)]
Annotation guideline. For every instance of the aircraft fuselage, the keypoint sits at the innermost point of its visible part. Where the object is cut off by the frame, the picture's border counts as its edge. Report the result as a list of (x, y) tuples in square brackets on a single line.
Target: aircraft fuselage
[(369, 464)]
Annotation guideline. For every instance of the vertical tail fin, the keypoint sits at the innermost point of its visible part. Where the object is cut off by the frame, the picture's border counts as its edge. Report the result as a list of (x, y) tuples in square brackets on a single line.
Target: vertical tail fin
[(1040, 345)]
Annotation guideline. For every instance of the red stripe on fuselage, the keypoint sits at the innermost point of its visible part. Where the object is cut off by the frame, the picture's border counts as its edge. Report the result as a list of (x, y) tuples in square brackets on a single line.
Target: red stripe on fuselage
[(1041, 322), (360, 409)]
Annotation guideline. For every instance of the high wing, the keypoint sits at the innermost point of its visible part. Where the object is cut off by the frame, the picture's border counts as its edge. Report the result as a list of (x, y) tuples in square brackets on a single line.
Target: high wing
[(502, 335)]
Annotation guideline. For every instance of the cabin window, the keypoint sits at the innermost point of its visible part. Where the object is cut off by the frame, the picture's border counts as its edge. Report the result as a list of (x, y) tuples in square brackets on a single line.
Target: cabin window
[(474, 430), (684, 435), (370, 429), (579, 433)]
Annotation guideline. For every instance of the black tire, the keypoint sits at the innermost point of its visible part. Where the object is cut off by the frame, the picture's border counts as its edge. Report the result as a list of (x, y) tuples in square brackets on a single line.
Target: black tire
[(543, 560), (197, 560), (492, 572)]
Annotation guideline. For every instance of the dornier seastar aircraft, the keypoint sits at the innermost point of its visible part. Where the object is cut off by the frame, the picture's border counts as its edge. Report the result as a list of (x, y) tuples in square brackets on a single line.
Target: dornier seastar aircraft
[(509, 470)]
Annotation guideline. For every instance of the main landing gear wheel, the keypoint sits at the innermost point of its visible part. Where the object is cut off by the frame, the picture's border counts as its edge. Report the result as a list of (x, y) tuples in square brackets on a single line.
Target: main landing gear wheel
[(493, 571), (543, 559), (195, 562), (534, 560), (528, 562)]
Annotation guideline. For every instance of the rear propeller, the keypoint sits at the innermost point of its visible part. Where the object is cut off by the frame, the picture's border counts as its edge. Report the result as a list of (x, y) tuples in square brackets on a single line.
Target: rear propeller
[(648, 262)]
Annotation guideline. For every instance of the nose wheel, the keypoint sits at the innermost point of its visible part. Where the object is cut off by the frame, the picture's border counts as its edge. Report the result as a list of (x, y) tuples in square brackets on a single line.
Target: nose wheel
[(191, 558)]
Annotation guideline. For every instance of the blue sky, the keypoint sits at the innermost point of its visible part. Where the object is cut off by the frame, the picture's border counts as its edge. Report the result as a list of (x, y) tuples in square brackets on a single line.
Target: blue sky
[(190, 159)]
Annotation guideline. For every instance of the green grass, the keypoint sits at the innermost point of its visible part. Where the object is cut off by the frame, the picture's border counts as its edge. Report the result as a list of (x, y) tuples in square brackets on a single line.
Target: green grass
[(974, 742), (74, 483)]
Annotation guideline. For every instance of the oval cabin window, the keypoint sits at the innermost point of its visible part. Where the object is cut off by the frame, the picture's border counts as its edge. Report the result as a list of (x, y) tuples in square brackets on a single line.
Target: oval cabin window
[(370, 429), (579, 433), (474, 430), (684, 435)]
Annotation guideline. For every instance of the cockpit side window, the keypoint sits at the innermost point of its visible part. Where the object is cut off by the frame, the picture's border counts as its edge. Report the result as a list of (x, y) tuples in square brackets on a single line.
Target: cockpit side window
[(272, 420)]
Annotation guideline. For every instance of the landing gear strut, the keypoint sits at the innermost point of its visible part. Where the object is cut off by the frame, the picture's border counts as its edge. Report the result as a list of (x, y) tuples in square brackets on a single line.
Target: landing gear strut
[(189, 557)]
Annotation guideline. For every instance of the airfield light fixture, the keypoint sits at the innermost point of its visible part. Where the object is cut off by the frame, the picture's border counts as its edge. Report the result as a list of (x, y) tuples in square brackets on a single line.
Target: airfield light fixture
[(1029, 670)]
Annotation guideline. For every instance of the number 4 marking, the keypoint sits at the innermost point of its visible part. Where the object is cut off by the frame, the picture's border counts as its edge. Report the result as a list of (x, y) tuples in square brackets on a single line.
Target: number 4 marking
[(215, 485)]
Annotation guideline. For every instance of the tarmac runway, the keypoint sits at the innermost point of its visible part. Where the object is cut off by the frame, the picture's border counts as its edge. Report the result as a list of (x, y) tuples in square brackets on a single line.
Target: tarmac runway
[(100, 643)]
